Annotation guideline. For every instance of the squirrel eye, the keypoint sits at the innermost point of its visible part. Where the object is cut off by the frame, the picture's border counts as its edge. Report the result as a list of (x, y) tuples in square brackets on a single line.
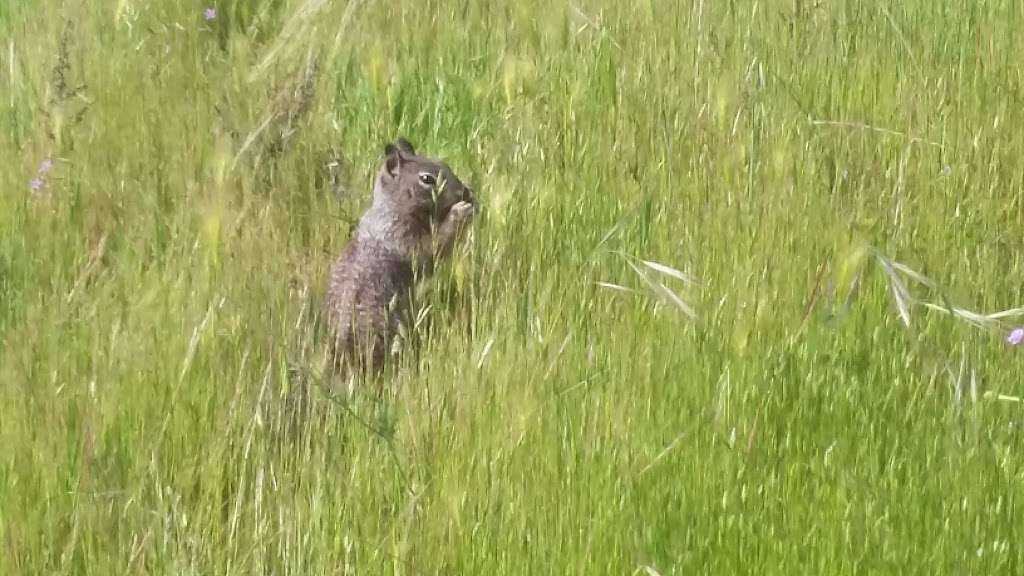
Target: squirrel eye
[(427, 179)]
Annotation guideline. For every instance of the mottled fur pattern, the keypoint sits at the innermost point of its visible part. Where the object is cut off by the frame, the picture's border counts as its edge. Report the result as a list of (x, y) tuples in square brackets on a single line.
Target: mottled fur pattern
[(419, 209)]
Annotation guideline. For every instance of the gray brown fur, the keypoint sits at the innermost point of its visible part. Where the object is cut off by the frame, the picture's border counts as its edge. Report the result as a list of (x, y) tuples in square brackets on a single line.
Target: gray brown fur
[(419, 209)]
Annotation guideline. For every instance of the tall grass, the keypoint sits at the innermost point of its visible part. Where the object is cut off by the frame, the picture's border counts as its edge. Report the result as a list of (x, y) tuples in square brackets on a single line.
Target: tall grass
[(163, 407)]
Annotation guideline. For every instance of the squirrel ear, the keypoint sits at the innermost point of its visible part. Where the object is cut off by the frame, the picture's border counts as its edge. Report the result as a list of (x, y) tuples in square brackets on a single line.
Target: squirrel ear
[(393, 158), (405, 146), (396, 154)]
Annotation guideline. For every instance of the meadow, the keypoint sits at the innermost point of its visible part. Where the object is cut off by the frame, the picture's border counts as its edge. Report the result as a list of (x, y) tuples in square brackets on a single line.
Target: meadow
[(740, 299)]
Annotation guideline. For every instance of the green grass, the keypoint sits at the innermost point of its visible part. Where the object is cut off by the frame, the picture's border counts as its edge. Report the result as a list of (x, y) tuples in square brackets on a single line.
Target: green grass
[(159, 295)]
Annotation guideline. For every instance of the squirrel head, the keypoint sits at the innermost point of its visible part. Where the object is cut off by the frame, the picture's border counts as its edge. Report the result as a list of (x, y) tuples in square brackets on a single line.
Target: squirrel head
[(419, 184)]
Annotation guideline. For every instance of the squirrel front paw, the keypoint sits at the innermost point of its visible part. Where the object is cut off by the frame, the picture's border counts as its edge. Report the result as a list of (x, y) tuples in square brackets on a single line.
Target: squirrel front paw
[(461, 213)]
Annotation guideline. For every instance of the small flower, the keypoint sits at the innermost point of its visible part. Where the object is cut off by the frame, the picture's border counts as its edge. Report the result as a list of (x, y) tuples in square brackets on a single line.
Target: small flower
[(1015, 337), (947, 170), (209, 14), (36, 184), (45, 166)]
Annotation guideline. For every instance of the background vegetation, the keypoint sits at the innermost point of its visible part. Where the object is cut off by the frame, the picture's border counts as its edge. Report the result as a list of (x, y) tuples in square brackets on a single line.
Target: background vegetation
[(804, 178)]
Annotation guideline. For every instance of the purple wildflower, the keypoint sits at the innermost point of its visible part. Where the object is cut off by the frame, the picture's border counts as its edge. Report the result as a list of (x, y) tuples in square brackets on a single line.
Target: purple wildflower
[(37, 183), (209, 14), (1015, 337)]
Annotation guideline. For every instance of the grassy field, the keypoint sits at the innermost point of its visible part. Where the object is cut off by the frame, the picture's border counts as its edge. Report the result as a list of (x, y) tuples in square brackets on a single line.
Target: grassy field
[(728, 308)]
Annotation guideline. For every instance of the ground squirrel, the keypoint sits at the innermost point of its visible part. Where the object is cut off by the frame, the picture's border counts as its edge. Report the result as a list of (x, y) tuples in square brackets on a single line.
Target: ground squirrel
[(419, 209)]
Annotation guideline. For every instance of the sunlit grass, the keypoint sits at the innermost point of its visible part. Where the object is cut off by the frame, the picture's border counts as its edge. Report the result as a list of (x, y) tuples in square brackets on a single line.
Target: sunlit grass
[(740, 298)]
